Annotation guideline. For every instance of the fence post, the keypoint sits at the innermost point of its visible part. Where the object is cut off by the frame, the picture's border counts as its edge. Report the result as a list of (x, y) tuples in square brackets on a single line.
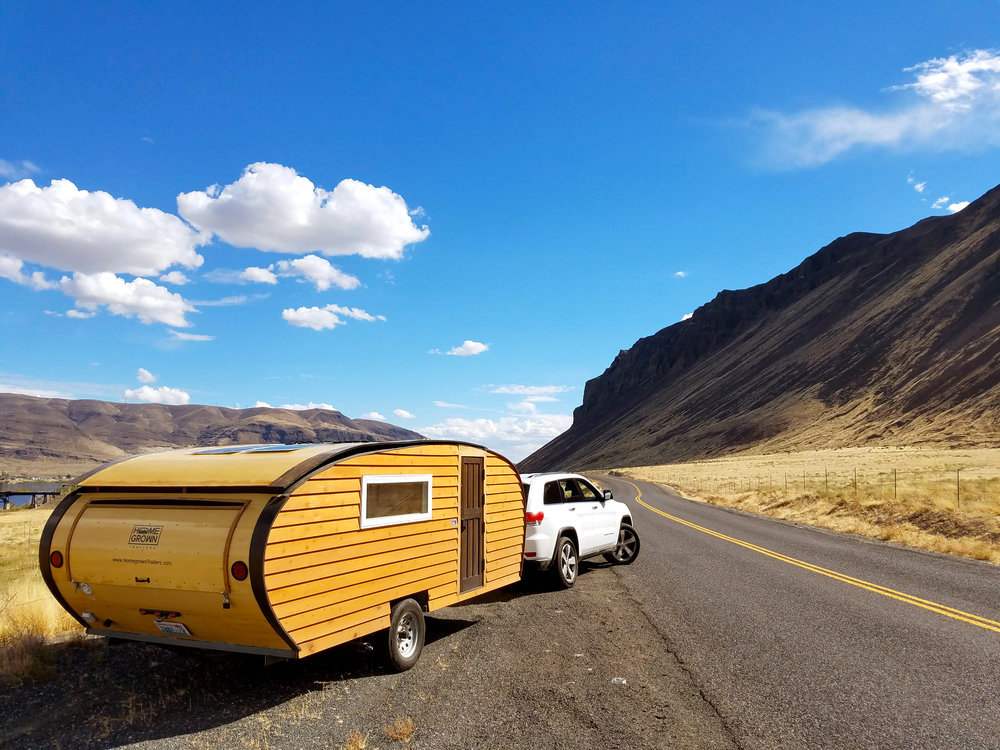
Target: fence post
[(958, 488)]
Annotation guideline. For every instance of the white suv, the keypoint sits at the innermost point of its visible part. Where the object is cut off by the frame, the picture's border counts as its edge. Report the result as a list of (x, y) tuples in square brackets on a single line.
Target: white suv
[(567, 519)]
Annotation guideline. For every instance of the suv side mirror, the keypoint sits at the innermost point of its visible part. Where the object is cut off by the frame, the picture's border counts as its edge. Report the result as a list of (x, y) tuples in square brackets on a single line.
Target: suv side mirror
[(608, 495)]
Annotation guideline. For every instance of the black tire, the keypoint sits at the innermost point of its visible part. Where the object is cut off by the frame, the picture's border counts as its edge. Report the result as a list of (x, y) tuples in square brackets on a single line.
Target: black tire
[(566, 562), (405, 638), (627, 548)]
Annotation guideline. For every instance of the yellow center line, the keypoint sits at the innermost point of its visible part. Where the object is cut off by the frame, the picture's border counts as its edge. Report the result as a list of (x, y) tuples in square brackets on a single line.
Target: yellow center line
[(941, 609)]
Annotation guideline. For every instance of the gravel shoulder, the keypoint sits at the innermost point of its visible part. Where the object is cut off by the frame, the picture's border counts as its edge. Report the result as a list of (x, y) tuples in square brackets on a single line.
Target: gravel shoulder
[(527, 665)]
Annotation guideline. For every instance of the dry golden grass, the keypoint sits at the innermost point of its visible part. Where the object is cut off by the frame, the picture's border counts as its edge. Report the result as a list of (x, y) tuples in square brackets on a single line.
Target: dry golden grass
[(401, 730), (936, 499), (29, 616), (356, 741)]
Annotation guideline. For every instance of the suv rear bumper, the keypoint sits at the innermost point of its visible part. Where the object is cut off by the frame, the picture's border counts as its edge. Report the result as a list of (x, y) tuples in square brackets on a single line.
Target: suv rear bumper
[(539, 547)]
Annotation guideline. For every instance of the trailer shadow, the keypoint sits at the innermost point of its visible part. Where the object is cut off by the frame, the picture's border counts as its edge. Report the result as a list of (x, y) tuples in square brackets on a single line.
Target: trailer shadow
[(102, 695), (99, 695)]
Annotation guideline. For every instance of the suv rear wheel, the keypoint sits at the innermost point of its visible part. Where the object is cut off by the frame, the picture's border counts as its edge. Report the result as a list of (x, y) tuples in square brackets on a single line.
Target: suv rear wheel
[(567, 562)]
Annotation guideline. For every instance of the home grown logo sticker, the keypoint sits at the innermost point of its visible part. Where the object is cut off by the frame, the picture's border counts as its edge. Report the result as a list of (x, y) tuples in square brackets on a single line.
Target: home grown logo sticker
[(145, 535)]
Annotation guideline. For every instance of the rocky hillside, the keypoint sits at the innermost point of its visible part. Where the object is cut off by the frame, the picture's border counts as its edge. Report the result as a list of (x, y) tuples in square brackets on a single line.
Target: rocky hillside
[(58, 430), (875, 340)]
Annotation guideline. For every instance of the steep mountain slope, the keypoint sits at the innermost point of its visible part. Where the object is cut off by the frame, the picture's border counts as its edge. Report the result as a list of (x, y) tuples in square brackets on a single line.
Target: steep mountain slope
[(52, 428), (874, 340)]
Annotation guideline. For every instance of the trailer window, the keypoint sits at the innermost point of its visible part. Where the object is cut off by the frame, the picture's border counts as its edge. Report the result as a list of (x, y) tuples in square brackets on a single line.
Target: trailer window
[(391, 499)]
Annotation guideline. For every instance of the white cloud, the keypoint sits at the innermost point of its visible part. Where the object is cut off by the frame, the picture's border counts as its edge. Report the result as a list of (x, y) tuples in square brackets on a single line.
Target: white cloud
[(238, 299), (317, 270), (524, 408), (179, 336), (15, 170), (176, 278), (10, 268), (69, 229), (271, 207), (530, 390), (514, 437), (446, 405), (80, 314), (310, 405), (918, 186), (321, 318), (30, 391), (954, 104), (140, 298), (145, 376), (259, 275), (940, 202), (161, 395), (262, 404), (687, 316), (467, 349), (956, 207), (680, 274), (403, 414), (373, 415)]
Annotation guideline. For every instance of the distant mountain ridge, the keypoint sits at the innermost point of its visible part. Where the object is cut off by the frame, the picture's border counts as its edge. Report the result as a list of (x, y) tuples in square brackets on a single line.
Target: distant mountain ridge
[(33, 429), (874, 340)]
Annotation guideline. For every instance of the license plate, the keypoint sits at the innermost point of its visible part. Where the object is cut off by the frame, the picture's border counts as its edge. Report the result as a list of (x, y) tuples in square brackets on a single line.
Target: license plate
[(172, 628)]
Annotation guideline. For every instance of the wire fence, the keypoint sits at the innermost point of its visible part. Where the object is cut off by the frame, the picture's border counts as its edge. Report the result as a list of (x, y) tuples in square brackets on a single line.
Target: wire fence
[(957, 488)]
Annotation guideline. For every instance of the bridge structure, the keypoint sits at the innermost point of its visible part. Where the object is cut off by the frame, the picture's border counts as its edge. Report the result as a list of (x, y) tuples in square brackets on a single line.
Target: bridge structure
[(39, 491)]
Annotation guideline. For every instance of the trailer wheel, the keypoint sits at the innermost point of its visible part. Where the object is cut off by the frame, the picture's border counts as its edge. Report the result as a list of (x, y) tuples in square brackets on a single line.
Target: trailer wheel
[(567, 562), (406, 634), (627, 548)]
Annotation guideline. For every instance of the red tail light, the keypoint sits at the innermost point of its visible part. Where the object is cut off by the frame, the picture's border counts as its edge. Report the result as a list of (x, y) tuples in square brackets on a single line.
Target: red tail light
[(239, 570), (534, 518), (56, 559)]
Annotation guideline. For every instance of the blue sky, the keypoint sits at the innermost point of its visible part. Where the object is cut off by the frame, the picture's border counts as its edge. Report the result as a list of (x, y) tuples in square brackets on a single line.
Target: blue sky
[(449, 216)]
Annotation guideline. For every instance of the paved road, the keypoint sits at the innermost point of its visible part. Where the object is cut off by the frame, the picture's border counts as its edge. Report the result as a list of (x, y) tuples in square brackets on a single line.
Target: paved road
[(795, 657)]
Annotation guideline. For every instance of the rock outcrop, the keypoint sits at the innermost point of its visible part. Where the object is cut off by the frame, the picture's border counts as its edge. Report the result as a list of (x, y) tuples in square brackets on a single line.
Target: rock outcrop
[(874, 340)]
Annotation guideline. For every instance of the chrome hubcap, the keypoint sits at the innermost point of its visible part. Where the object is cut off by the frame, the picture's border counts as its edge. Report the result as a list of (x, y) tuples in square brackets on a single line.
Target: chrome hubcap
[(406, 635)]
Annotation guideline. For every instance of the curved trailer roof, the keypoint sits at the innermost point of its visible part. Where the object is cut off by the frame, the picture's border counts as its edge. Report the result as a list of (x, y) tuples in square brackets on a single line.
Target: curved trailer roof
[(272, 468)]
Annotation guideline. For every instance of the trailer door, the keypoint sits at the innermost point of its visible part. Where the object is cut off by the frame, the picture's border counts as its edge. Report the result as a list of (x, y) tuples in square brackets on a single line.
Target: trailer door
[(473, 547)]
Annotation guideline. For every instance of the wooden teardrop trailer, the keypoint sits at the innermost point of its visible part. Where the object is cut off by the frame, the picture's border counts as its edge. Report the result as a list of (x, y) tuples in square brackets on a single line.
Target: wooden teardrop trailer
[(285, 550)]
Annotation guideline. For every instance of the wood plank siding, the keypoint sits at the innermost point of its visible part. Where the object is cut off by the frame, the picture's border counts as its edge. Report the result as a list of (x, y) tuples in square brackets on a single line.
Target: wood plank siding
[(329, 580)]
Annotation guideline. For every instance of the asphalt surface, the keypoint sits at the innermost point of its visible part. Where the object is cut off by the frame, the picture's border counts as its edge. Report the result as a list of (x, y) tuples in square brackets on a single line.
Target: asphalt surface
[(790, 657), (529, 666)]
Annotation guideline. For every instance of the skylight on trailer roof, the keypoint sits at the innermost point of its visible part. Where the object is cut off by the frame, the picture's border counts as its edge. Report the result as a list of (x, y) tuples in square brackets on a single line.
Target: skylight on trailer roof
[(275, 448)]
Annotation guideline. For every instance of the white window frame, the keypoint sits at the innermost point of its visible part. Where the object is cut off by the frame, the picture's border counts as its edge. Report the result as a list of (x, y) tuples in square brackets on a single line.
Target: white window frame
[(370, 523)]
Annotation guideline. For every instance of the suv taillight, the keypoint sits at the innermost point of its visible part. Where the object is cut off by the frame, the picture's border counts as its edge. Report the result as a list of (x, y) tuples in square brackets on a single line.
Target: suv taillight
[(534, 518)]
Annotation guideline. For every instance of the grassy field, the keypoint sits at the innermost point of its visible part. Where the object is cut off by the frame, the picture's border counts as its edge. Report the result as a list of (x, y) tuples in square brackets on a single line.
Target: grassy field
[(29, 616), (936, 499)]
